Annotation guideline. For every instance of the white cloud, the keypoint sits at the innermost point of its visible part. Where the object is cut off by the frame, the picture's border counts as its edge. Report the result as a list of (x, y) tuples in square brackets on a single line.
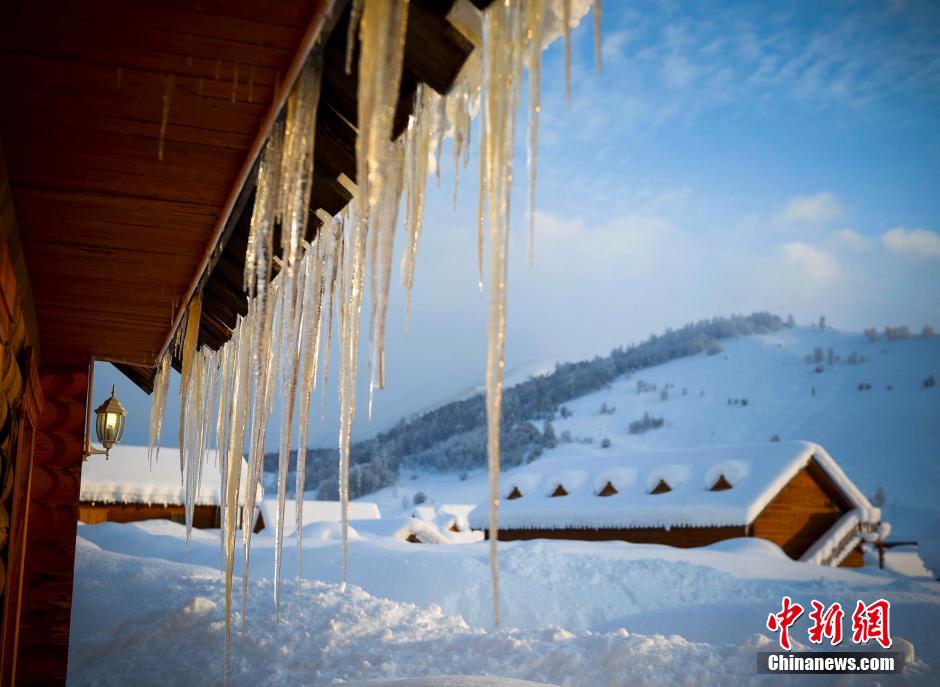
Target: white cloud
[(812, 263), (915, 242), (818, 208), (852, 239)]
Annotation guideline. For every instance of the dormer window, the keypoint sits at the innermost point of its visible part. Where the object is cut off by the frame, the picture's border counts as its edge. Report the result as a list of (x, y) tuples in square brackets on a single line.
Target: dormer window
[(559, 491), (661, 487), (514, 494), (721, 484), (608, 490)]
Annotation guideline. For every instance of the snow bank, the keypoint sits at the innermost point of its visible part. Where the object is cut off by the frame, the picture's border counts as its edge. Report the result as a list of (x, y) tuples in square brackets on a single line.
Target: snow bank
[(314, 511), (172, 633), (403, 529)]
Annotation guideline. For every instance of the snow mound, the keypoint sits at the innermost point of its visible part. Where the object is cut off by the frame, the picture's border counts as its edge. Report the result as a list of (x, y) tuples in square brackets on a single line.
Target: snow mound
[(403, 529), (749, 545), (327, 531)]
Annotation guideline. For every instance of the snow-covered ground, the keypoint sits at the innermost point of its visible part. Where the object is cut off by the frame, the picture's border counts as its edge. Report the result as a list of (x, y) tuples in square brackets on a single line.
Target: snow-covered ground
[(575, 613), (149, 609)]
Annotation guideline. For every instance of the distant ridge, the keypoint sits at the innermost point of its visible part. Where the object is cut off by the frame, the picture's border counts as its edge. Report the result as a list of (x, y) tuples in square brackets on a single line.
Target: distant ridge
[(451, 436)]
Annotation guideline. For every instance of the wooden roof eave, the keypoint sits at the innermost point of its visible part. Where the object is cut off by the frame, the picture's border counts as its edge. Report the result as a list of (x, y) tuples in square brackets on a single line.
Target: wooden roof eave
[(220, 273)]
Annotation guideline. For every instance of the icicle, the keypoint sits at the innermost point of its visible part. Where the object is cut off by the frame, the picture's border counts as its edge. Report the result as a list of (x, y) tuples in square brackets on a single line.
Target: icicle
[(190, 341), (382, 40), (481, 207), (338, 225), (258, 255), (566, 31), (161, 386), (296, 172), (503, 56), (535, 19), (417, 142), (383, 231), (382, 46), (270, 325), (231, 471), (168, 82), (317, 258), (291, 317), (597, 36)]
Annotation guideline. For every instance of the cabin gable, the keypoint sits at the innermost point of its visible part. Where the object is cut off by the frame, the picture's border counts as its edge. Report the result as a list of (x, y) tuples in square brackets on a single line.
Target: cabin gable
[(802, 512)]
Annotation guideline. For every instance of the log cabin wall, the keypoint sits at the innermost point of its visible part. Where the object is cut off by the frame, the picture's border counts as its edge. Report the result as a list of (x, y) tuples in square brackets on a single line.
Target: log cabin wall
[(42, 654), (21, 401), (802, 512), (682, 537)]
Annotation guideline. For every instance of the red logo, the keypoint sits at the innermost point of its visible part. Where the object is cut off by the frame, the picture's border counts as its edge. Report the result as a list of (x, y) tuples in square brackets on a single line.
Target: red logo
[(827, 622), (872, 622), (869, 622), (781, 622)]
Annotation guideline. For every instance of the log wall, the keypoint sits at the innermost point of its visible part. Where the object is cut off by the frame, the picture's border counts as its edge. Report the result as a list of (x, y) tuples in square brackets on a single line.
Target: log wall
[(802, 512)]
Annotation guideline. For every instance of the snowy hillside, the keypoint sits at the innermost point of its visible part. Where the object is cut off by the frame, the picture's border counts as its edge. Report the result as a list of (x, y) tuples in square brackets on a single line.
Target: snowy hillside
[(884, 436)]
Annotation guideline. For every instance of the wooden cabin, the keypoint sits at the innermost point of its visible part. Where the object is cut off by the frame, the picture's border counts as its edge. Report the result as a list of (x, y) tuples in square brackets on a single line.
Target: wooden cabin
[(128, 488), (130, 134), (790, 493)]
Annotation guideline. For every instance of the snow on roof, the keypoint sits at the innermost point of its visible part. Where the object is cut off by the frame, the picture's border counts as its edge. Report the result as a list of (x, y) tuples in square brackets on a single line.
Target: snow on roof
[(128, 477), (315, 511), (445, 516), (756, 473), (402, 528)]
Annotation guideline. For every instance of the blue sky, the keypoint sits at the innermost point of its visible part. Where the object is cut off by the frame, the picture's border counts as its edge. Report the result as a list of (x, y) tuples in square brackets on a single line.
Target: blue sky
[(730, 157)]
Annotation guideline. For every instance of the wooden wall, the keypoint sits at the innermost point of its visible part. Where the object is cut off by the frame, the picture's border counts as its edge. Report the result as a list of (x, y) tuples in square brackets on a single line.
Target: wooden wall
[(42, 656), (802, 512), (204, 517), (682, 537)]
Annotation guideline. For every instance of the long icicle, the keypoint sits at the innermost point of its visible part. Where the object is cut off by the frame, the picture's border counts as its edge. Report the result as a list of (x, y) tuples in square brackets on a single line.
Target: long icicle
[(190, 341), (383, 230), (382, 43), (503, 57), (317, 259), (296, 177), (231, 474), (161, 389), (417, 140)]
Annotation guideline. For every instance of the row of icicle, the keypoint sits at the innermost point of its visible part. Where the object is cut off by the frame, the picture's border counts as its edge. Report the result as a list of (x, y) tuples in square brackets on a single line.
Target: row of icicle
[(281, 347)]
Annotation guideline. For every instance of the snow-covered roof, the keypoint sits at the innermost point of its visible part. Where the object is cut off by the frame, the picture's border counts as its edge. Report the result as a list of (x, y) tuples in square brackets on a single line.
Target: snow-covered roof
[(402, 528), (315, 511), (445, 516), (756, 473), (128, 477)]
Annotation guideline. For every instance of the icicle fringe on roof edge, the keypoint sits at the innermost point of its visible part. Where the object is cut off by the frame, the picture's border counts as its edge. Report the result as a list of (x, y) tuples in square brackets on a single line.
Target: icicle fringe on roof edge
[(229, 394)]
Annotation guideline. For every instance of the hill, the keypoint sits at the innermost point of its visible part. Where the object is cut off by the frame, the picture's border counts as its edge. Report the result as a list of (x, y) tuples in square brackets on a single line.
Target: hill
[(868, 406)]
